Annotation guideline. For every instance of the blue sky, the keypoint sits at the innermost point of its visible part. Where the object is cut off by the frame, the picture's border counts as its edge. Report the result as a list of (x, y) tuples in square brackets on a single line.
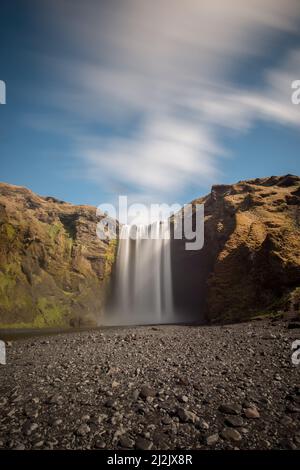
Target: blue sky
[(156, 100)]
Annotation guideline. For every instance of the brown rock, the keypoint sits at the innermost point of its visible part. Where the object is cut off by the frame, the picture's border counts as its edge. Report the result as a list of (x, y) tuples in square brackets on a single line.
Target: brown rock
[(251, 236), (230, 408), (187, 416), (230, 434), (234, 421), (147, 391), (251, 413), (52, 263), (143, 444), (212, 440)]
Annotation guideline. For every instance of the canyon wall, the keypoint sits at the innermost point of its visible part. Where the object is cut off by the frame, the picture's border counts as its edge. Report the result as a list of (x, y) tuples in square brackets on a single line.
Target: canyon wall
[(250, 262), (54, 270)]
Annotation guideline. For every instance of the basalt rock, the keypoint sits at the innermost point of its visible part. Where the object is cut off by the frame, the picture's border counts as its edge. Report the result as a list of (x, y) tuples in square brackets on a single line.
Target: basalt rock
[(250, 263), (54, 270)]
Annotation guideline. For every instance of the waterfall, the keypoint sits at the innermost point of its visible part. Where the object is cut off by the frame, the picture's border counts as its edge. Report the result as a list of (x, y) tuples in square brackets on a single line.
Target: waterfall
[(142, 291)]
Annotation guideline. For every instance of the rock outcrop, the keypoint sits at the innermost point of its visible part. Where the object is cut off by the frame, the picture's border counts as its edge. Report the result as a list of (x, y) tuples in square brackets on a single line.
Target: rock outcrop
[(250, 263), (53, 269)]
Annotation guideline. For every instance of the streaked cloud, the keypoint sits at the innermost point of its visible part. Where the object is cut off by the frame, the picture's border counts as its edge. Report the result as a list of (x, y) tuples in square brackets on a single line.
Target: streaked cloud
[(165, 68)]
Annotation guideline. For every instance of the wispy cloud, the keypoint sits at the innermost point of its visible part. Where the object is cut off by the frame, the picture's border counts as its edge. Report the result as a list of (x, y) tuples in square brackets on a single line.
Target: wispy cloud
[(166, 67), (239, 109), (163, 157)]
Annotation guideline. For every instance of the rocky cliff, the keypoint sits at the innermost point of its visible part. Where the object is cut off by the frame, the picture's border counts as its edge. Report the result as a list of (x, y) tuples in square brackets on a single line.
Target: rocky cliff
[(54, 271), (250, 263), (53, 268)]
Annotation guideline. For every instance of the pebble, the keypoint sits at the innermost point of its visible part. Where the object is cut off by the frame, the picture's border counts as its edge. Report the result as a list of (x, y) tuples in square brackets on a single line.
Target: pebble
[(56, 422), (297, 439), (56, 399), (126, 442), (135, 394), (99, 444), (143, 444), (230, 434), (212, 440), (167, 420), (110, 403), (38, 444), (146, 392), (19, 446), (203, 425), (187, 416), (231, 409), (251, 412), (183, 398), (286, 421), (83, 430), (29, 428), (85, 418), (234, 421)]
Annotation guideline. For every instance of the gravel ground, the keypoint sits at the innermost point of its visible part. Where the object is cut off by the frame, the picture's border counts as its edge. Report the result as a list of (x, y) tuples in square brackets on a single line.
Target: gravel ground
[(163, 387)]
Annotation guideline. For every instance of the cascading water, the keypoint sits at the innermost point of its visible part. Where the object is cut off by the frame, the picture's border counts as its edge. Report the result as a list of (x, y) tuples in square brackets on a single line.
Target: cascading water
[(142, 290)]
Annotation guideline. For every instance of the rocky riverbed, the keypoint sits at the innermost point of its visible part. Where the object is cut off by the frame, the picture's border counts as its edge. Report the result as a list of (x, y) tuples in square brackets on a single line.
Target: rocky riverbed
[(163, 387)]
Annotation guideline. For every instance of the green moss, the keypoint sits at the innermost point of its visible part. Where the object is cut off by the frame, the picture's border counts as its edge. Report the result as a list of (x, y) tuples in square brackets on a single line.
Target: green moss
[(42, 301), (110, 257), (13, 268), (54, 230), (50, 315), (10, 231), (264, 315), (13, 297), (6, 282), (68, 246)]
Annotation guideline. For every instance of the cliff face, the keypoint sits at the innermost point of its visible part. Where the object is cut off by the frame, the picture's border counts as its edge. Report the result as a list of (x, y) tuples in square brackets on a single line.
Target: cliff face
[(250, 263), (53, 269)]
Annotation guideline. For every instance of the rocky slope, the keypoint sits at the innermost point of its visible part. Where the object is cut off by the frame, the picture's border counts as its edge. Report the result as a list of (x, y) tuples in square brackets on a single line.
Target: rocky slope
[(53, 268), (250, 263)]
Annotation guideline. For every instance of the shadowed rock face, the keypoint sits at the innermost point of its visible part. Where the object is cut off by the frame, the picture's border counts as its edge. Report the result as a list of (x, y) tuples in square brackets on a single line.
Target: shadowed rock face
[(53, 268), (250, 263)]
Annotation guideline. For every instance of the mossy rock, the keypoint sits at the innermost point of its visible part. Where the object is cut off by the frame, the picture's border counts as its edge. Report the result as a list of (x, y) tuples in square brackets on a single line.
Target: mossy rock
[(53, 268)]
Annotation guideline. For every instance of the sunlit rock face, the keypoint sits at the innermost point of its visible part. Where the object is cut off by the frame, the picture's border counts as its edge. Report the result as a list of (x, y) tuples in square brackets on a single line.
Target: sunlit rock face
[(55, 272), (250, 262), (53, 268)]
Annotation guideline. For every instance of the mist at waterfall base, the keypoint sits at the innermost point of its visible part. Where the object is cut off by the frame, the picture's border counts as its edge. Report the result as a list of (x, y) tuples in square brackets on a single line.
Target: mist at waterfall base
[(142, 290)]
